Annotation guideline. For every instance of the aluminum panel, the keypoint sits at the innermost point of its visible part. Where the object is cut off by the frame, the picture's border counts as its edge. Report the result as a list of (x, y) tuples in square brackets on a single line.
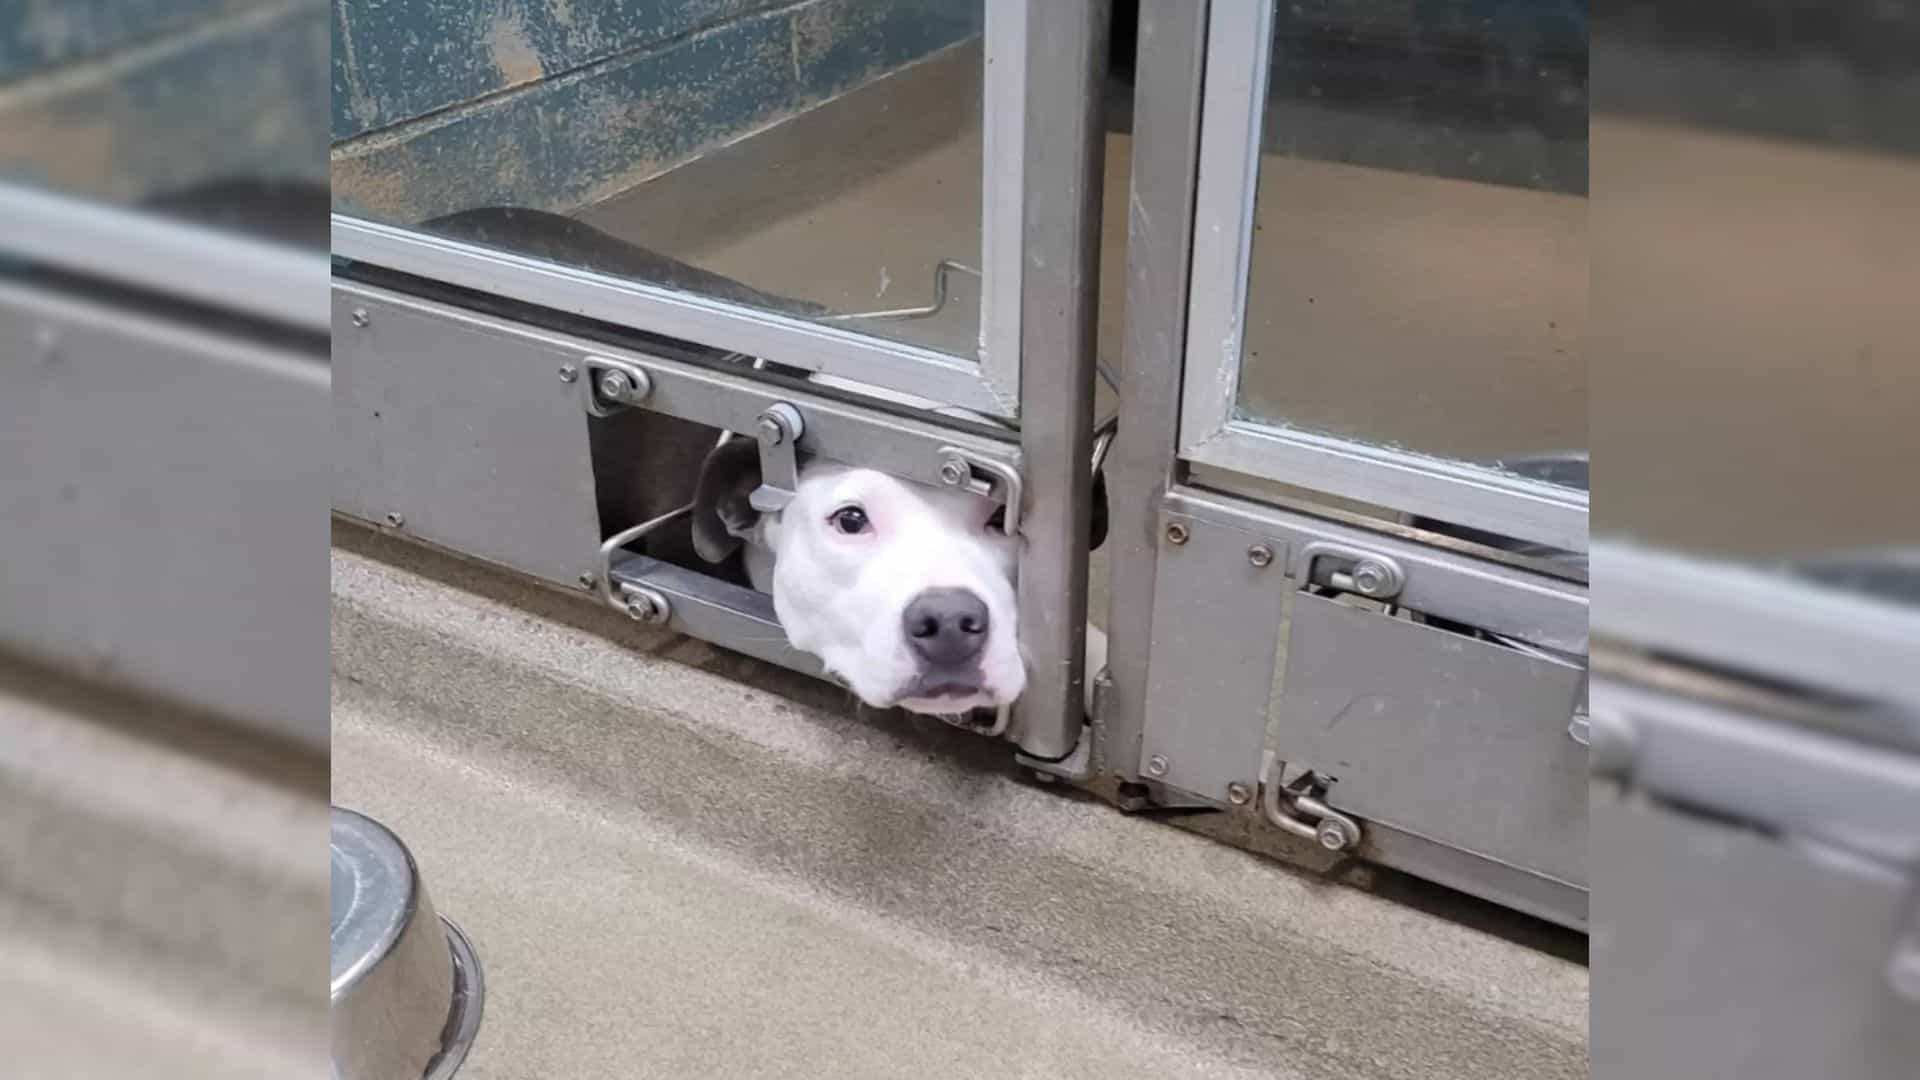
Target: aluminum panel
[(461, 437), (1719, 952), (160, 510), (1216, 619), (1452, 738)]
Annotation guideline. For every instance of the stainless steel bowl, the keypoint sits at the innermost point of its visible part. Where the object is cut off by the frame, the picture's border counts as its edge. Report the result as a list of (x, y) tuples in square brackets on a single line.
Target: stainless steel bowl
[(406, 986)]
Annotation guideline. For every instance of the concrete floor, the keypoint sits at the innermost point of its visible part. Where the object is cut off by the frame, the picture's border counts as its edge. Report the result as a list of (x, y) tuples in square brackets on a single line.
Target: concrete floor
[(161, 891), (678, 863)]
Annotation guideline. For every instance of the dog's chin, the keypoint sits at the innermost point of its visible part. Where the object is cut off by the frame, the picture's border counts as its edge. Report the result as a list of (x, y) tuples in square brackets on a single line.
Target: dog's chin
[(949, 704)]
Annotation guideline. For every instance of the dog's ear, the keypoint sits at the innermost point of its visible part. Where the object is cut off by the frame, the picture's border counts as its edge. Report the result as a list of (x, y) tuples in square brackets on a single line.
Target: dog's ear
[(722, 516), (1097, 516)]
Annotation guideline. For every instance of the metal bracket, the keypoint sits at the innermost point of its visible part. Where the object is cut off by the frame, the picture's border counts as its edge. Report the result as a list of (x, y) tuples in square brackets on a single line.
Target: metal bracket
[(984, 476), (611, 386), (1283, 806), (603, 579), (1366, 573), (778, 431)]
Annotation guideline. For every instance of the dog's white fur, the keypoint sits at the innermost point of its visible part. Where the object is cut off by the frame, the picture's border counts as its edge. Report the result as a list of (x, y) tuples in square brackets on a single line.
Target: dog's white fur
[(843, 598)]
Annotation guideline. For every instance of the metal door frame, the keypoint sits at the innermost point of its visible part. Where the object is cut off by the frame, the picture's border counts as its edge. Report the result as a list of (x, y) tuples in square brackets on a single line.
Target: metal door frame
[(1044, 243), (1207, 663), (1238, 47), (988, 383)]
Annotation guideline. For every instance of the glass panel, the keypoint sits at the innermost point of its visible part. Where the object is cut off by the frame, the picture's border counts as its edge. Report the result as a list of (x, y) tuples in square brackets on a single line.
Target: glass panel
[(1757, 187), (1418, 270), (133, 103), (818, 159)]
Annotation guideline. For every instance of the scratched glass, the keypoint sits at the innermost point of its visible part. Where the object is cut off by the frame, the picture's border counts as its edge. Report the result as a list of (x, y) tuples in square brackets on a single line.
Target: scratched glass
[(818, 160), (1418, 272)]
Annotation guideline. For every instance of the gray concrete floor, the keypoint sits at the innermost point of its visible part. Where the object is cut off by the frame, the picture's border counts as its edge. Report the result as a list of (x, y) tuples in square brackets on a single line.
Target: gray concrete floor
[(676, 863)]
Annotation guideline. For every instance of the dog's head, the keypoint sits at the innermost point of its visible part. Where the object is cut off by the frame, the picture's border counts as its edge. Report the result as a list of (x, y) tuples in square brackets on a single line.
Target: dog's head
[(905, 591)]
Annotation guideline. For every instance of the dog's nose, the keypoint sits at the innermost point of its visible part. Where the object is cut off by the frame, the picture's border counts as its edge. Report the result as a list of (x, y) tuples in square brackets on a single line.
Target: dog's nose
[(946, 628)]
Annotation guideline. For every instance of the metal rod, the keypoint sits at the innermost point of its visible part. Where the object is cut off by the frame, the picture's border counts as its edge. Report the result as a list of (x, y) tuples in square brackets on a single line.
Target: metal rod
[(1166, 128), (1065, 158)]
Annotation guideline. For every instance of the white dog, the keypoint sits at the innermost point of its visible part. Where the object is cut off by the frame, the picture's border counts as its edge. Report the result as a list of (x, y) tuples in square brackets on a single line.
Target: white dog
[(903, 590)]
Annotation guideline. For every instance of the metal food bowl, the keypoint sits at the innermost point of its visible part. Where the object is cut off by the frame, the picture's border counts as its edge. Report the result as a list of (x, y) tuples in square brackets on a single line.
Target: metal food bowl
[(407, 987)]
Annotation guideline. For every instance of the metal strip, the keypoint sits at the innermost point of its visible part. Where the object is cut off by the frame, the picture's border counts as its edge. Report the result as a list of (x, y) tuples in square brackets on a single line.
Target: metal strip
[(1166, 131), (713, 610), (834, 429), (776, 338), (1759, 621), (1522, 890), (1545, 611), (1239, 40), (1430, 487), (1804, 783), (1002, 225), (1065, 159), (190, 263)]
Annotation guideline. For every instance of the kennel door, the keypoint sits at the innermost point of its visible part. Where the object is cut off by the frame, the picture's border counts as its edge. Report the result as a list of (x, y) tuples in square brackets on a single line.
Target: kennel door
[(1358, 510), (831, 187)]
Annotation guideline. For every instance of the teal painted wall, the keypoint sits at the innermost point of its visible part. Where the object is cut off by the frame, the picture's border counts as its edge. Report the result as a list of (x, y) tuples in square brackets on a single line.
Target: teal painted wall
[(440, 105)]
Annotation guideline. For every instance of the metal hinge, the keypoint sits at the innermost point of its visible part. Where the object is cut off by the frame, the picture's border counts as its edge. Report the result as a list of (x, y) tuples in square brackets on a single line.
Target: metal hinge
[(778, 430)]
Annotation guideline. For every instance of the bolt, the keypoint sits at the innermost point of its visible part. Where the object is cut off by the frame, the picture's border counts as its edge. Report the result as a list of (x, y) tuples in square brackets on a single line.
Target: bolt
[(1260, 555), (616, 385), (1369, 577), (955, 471), (588, 581), (771, 432), (1239, 794), (360, 317), (1177, 533), (1330, 836), (648, 607), (568, 373), (1156, 765), (394, 520)]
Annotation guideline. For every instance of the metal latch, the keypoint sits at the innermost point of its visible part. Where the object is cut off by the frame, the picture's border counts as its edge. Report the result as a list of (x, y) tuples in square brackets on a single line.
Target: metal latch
[(1350, 570), (778, 431), (1298, 810), (612, 386)]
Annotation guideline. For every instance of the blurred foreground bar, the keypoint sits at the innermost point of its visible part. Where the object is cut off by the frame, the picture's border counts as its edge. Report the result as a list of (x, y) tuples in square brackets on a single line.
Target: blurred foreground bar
[(164, 387), (1755, 825)]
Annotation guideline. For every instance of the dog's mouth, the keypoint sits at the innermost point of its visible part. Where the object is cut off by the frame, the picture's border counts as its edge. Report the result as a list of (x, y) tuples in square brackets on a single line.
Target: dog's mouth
[(945, 695)]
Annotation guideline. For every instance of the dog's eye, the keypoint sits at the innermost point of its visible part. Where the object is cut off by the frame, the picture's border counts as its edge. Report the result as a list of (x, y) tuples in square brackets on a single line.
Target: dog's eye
[(850, 520)]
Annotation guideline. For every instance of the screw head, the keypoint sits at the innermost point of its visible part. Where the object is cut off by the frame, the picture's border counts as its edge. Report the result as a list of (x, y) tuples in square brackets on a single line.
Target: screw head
[(1330, 836), (1239, 794), (394, 520), (955, 471), (568, 373), (616, 385), (1260, 555), (770, 431), (1157, 765), (1177, 533), (588, 581), (360, 317), (1369, 577)]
